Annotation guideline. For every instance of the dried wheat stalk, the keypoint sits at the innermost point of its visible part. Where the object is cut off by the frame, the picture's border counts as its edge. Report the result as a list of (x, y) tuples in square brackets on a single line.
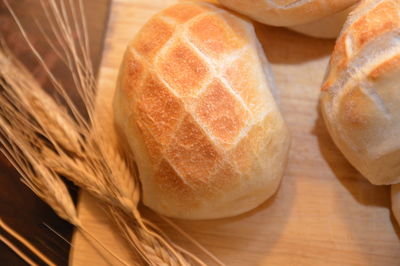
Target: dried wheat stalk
[(70, 147), (19, 253), (21, 136), (24, 242), (24, 145)]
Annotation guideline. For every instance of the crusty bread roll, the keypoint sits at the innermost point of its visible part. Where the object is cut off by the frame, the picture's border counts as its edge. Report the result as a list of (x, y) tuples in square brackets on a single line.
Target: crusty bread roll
[(396, 202), (193, 101), (288, 12), (328, 27), (360, 98)]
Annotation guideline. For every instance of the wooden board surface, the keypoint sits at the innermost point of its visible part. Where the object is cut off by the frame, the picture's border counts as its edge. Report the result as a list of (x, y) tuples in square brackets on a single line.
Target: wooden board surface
[(324, 213)]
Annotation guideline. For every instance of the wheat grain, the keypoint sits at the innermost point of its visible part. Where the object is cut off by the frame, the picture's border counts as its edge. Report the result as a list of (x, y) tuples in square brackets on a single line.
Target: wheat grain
[(26, 94), (44, 142), (23, 147), (40, 162), (44, 182)]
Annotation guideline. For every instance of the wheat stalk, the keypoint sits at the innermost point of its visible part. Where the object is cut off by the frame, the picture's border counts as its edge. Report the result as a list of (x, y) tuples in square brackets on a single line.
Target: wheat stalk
[(21, 153), (19, 252), (120, 186), (25, 242), (24, 146), (71, 147)]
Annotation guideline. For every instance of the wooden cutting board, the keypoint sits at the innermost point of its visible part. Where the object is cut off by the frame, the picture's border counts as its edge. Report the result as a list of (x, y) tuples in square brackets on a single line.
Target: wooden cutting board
[(324, 213)]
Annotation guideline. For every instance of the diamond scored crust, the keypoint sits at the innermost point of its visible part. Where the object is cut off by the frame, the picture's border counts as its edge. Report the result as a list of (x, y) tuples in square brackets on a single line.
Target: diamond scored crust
[(360, 93), (195, 106)]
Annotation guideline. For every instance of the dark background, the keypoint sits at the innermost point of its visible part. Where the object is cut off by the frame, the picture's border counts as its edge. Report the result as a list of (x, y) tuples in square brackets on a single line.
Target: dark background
[(19, 207)]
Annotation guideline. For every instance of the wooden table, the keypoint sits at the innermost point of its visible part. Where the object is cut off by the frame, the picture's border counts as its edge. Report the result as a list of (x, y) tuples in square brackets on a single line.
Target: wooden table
[(19, 207), (324, 213)]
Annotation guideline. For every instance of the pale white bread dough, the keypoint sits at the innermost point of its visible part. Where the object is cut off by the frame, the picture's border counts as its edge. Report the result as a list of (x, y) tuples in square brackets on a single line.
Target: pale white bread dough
[(328, 27), (360, 98), (288, 12)]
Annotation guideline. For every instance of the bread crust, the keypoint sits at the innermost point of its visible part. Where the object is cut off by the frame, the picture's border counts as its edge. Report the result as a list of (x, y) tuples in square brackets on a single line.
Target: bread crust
[(360, 98), (288, 12), (193, 101)]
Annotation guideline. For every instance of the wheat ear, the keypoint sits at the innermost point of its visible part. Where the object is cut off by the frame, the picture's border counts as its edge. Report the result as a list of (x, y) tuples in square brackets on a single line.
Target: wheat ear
[(29, 153), (21, 137), (89, 162), (120, 186)]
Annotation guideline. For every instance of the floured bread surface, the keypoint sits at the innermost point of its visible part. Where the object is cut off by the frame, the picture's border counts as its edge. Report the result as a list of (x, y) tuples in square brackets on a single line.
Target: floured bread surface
[(193, 102), (361, 93), (288, 12)]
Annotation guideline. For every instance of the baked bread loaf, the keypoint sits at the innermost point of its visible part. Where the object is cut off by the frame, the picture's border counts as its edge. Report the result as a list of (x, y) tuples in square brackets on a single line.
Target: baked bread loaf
[(328, 27), (288, 12), (396, 202), (193, 102), (360, 98)]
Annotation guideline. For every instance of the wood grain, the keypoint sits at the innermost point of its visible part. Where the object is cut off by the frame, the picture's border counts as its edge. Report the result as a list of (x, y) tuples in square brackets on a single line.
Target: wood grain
[(324, 213)]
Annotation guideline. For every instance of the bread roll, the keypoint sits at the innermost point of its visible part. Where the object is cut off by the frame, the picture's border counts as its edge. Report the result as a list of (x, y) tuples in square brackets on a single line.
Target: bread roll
[(396, 202), (360, 98), (193, 102), (288, 12), (328, 27)]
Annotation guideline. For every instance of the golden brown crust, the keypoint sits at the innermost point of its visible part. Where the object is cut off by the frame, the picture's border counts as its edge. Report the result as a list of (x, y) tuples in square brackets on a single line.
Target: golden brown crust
[(158, 110), (192, 87), (243, 79), (382, 18), (221, 112), (214, 37), (377, 21), (134, 71), (153, 36), (191, 152), (384, 68), (183, 12), (183, 70)]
